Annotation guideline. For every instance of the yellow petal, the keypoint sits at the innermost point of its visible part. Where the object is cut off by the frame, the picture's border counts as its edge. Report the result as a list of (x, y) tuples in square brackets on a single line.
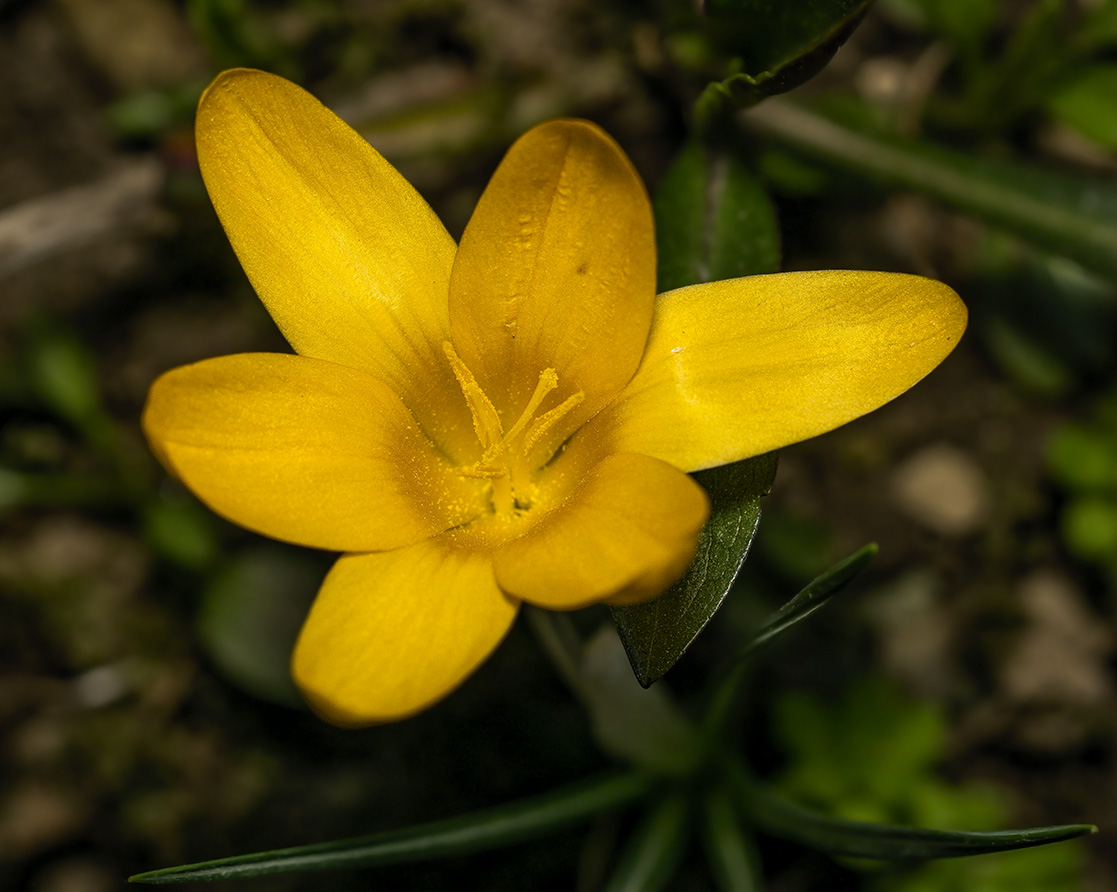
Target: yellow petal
[(306, 451), (625, 534), (350, 261), (556, 270), (737, 368), (392, 633)]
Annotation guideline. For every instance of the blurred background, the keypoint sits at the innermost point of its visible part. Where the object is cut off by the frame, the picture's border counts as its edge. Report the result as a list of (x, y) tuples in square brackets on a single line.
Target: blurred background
[(146, 716)]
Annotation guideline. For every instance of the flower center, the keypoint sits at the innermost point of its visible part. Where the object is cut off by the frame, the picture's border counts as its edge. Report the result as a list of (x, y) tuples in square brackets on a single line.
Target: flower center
[(507, 456)]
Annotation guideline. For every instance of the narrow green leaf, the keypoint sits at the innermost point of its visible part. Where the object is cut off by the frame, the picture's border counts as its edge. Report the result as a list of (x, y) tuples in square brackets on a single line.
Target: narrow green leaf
[(650, 859), (713, 221), (818, 591), (779, 45), (810, 599), (883, 842), (1068, 215), (494, 828), (656, 633), (731, 853)]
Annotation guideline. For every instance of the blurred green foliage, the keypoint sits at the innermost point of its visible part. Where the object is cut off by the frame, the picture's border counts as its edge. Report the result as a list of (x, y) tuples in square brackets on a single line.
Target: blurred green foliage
[(1082, 458), (871, 755)]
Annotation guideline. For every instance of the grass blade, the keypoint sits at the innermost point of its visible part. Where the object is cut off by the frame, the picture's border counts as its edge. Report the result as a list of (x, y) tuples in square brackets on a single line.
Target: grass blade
[(883, 842), (501, 826)]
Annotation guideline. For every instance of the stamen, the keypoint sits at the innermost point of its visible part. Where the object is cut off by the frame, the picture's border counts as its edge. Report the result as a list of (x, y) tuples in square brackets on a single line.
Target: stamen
[(548, 381), (548, 420), (483, 470), (486, 421), (506, 457)]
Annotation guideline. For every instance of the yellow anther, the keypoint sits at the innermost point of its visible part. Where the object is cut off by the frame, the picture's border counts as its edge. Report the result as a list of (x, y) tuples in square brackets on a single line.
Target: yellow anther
[(486, 421), (505, 457), (548, 381), (545, 422)]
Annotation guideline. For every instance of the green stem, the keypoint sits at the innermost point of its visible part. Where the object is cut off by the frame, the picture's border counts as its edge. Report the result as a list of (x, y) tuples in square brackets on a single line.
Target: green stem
[(1007, 195), (560, 642)]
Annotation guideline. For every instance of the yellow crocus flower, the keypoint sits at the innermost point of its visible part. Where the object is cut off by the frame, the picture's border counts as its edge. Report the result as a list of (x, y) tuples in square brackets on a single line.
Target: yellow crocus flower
[(509, 419)]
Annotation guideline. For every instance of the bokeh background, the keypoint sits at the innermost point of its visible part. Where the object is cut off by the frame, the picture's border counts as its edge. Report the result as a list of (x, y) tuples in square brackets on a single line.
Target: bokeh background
[(967, 681)]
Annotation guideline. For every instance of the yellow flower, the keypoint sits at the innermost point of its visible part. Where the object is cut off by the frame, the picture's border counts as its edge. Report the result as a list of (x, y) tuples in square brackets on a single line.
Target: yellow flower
[(506, 420)]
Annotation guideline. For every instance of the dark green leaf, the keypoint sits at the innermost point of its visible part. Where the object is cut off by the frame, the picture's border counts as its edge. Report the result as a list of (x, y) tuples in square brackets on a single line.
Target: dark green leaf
[(656, 633), (481, 831), (650, 859), (817, 593), (779, 45), (857, 839), (713, 221), (1072, 216)]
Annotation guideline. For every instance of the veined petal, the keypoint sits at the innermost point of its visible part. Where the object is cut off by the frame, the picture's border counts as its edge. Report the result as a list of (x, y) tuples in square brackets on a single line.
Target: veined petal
[(391, 633), (306, 451), (556, 270), (737, 368), (350, 261), (625, 534)]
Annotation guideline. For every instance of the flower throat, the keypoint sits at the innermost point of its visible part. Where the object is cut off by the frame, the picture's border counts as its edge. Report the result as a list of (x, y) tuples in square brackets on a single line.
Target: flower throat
[(506, 459)]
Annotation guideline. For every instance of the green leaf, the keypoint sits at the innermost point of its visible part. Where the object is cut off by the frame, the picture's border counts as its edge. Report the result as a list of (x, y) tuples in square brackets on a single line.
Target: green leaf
[(650, 859), (1030, 364), (656, 633), (778, 45), (730, 851), (251, 614), (1047, 869), (806, 602), (1086, 104), (1089, 526), (63, 373), (1072, 216), (713, 220), (867, 755), (1084, 458), (884, 842), (180, 530), (817, 593), (1100, 27), (481, 831), (964, 23), (644, 727)]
